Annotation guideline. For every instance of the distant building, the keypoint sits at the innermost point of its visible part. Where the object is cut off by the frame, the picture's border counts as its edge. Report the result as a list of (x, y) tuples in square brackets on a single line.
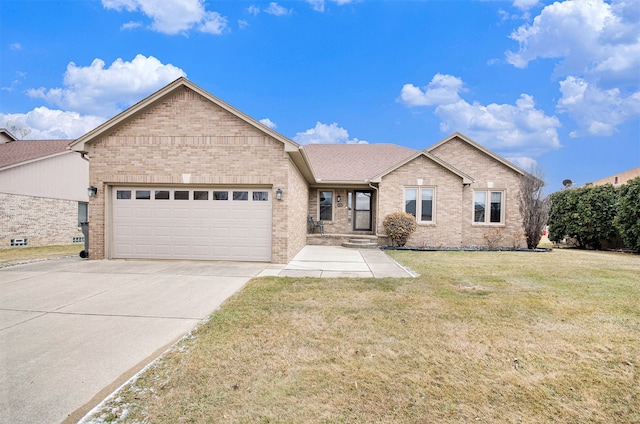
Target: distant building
[(619, 179), (43, 192)]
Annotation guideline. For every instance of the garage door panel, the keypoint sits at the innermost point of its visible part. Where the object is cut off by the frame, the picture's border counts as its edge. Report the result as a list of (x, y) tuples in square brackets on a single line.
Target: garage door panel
[(204, 229)]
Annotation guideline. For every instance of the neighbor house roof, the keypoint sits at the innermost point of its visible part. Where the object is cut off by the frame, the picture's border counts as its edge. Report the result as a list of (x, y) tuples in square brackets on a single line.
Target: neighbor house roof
[(356, 163), (620, 178), (21, 151)]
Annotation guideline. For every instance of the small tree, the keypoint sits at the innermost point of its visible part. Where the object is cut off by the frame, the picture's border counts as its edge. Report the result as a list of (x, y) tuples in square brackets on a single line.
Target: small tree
[(627, 218), (399, 226), (534, 207)]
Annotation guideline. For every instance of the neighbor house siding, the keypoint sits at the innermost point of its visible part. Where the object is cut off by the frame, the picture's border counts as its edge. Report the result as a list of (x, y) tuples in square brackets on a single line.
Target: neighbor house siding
[(489, 174), (446, 229), (185, 133), (43, 221)]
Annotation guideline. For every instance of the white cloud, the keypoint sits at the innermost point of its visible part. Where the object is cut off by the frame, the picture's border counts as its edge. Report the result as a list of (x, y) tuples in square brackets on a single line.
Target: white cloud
[(596, 111), (524, 162), (173, 16), (44, 123), (598, 51), (254, 10), (441, 90), (277, 10), (326, 134), (242, 24), (515, 130), (96, 90), (589, 37), (269, 123), (130, 25), (15, 46), (317, 5), (525, 4), (213, 23)]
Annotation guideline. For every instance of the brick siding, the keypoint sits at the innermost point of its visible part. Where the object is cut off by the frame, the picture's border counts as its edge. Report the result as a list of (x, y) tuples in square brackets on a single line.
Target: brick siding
[(184, 133), (43, 221)]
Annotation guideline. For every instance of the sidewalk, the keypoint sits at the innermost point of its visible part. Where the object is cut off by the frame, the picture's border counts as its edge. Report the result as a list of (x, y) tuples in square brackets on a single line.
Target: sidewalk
[(339, 262)]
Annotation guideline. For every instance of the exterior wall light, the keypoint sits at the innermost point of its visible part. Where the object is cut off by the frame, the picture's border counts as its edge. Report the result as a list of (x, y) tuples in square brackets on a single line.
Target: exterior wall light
[(92, 191), (279, 194), (339, 198)]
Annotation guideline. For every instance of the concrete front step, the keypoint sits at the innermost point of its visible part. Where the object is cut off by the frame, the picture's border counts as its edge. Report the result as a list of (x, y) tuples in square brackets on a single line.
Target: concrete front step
[(360, 243)]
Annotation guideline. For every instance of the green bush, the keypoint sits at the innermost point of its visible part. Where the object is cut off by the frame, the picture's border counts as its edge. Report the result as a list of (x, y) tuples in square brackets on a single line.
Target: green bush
[(585, 214), (399, 226), (627, 219)]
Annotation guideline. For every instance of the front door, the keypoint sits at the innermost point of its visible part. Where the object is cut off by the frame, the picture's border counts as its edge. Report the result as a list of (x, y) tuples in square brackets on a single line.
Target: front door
[(362, 210)]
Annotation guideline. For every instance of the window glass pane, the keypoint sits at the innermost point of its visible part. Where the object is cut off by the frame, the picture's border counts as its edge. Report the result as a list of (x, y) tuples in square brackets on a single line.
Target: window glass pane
[(326, 205), (162, 195), (240, 195), (260, 195), (410, 197), (200, 195), (426, 212), (123, 194), (496, 206), (181, 195), (220, 195), (143, 194), (479, 201)]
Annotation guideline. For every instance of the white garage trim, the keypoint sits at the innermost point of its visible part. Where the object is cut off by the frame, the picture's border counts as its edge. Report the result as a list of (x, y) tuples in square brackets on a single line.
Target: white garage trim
[(206, 223)]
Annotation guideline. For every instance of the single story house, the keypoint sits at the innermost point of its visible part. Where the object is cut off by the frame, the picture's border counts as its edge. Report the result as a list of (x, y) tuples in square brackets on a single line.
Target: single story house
[(184, 175), (43, 192)]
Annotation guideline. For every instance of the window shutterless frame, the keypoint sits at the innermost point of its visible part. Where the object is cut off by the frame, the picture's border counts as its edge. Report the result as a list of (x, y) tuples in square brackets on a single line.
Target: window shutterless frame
[(488, 207)]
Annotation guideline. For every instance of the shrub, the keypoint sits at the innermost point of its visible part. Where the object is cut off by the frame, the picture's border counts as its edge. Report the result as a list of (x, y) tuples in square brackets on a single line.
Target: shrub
[(584, 213), (493, 238), (627, 218), (399, 226)]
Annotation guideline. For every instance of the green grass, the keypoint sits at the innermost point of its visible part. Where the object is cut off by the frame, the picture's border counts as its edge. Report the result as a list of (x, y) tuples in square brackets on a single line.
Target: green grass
[(489, 337), (18, 254)]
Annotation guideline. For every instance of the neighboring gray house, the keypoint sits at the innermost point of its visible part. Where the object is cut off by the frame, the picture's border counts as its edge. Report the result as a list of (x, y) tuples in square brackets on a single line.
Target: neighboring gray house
[(184, 175), (43, 192)]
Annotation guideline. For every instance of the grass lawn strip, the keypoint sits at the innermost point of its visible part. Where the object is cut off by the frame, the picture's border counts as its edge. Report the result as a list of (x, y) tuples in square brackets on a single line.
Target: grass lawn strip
[(489, 337), (20, 255)]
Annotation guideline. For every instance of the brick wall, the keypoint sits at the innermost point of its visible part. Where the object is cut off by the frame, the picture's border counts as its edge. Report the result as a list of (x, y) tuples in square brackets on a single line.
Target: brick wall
[(446, 230), (296, 201), (184, 133), (486, 171), (43, 221)]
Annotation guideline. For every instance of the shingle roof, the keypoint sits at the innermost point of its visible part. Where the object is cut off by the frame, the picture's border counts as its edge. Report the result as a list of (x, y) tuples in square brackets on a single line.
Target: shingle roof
[(19, 151), (353, 162)]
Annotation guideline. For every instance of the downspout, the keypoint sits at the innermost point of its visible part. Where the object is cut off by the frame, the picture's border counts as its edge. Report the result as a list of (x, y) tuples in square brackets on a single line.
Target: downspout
[(377, 208)]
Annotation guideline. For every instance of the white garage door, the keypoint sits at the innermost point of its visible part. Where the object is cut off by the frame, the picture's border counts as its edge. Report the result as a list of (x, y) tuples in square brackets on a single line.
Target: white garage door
[(206, 224)]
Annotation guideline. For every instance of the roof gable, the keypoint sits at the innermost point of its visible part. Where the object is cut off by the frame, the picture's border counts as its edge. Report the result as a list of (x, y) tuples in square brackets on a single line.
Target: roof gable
[(479, 147), (352, 163), (22, 151), (158, 96), (466, 179)]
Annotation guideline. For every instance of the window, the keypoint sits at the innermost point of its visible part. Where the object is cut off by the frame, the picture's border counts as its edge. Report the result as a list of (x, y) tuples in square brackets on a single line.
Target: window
[(326, 205), (123, 194), (162, 195), (419, 203), (260, 196), (20, 242), (494, 201), (143, 195), (181, 195), (83, 215), (240, 195), (200, 195), (220, 195)]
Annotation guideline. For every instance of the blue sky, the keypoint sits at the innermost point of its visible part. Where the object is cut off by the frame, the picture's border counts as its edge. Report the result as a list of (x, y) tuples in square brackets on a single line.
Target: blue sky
[(555, 85)]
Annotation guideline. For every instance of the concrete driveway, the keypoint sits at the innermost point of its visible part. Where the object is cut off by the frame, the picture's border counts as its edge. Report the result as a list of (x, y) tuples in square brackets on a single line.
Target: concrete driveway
[(72, 331)]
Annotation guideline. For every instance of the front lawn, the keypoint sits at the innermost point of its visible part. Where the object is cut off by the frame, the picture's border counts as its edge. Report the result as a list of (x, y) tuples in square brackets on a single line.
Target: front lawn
[(479, 337)]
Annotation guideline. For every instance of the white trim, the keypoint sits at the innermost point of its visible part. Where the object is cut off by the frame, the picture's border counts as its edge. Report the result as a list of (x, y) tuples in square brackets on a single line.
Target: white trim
[(487, 207), (419, 189)]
